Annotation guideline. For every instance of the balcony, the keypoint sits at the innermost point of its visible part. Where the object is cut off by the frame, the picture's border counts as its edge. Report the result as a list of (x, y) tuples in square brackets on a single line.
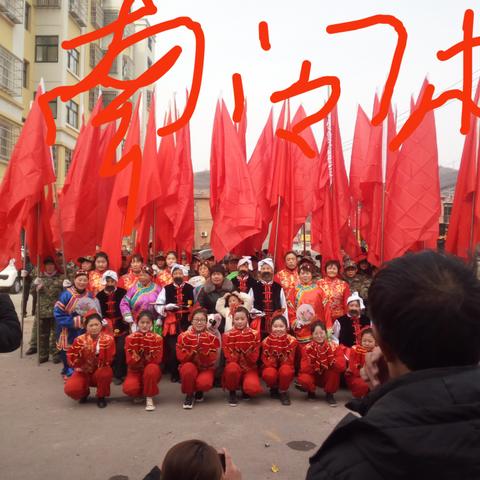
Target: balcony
[(11, 73), (111, 15), (12, 9), (78, 9), (128, 68), (96, 54), (114, 67), (96, 14), (108, 96), (9, 133), (48, 3)]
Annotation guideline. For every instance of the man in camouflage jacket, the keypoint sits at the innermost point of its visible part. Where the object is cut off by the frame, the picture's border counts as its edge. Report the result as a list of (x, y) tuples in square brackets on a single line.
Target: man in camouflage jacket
[(358, 282)]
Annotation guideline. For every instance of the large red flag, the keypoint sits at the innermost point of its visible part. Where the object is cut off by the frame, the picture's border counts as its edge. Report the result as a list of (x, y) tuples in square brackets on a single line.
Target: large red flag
[(359, 153), (114, 222), (464, 229), (236, 215), (413, 195), (242, 130), (29, 170)]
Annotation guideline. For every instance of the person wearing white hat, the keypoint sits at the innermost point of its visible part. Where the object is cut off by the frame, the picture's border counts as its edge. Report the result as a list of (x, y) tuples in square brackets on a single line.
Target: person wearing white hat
[(347, 328), (268, 296), (244, 282), (174, 304), (109, 299)]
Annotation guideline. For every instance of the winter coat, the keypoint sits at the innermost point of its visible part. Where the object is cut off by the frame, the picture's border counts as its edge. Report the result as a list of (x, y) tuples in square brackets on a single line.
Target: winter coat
[(10, 331)]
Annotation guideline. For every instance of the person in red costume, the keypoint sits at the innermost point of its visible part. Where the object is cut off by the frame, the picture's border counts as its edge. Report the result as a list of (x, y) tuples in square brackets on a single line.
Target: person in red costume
[(197, 351), (355, 382), (321, 365), (91, 355), (144, 352), (95, 276), (241, 347), (278, 357), (289, 278), (130, 279)]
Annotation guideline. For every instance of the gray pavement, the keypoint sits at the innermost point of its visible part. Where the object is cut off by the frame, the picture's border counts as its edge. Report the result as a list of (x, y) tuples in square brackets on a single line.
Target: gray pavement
[(46, 435)]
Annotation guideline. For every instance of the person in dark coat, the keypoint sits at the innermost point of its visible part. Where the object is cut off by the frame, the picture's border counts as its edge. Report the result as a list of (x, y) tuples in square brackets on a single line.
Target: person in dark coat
[(422, 419), (10, 330)]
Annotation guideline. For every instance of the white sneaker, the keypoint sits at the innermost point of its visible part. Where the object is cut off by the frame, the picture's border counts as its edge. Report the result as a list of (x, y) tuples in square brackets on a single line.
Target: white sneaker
[(150, 406)]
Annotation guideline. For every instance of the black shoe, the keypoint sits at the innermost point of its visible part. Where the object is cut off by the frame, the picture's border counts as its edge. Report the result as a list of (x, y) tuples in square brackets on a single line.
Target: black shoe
[(56, 359), (331, 399), (284, 398), (101, 402), (232, 398), (117, 381), (31, 351), (175, 378), (311, 396), (245, 396), (43, 360), (188, 403), (83, 400), (274, 393), (199, 397)]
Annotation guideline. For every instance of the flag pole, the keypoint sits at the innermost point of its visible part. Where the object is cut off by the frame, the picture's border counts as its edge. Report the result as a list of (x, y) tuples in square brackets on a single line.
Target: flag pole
[(384, 174), (24, 265), (304, 240), (276, 229), (37, 313), (154, 229), (474, 200)]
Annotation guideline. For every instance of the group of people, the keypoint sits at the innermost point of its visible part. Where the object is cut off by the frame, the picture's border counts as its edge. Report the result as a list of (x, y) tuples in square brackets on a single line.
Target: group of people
[(206, 324)]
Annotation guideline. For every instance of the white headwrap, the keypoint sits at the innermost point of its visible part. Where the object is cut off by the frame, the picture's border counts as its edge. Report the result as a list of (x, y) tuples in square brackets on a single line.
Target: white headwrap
[(266, 261), (355, 297), (245, 260), (177, 266), (109, 273)]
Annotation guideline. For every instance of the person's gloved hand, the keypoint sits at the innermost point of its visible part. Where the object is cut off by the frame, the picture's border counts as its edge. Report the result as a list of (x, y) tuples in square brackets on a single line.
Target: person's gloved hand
[(104, 322), (171, 306), (66, 283), (128, 318), (158, 322)]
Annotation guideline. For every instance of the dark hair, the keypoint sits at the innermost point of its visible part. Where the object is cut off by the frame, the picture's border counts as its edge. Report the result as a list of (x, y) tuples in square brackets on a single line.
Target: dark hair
[(146, 313), (172, 252), (201, 310), (217, 268), (305, 266), (136, 256), (92, 316), (290, 252), (426, 308), (232, 294), (244, 310), (281, 318), (192, 459), (332, 262), (316, 324), (365, 331), (101, 255)]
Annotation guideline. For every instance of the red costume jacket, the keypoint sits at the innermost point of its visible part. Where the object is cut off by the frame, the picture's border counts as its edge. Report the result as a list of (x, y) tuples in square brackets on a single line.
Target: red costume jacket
[(199, 348), (356, 360), (142, 349), (335, 295), (278, 351), (128, 280), (302, 332), (87, 354), (316, 357), (95, 282), (242, 347)]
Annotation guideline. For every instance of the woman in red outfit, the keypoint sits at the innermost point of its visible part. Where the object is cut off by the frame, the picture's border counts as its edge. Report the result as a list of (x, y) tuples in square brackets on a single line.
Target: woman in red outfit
[(355, 382), (278, 357), (197, 351), (91, 355), (241, 347), (321, 365), (144, 351)]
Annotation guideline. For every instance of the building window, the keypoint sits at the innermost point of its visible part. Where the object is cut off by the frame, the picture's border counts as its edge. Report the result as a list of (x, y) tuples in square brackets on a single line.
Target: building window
[(73, 61), (8, 138), (55, 157), (68, 159), (150, 44), (53, 107), (26, 72), (28, 12), (149, 63), (46, 48), (72, 113)]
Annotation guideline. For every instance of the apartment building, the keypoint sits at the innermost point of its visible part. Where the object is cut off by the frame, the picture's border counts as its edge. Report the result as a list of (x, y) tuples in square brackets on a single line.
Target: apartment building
[(31, 34)]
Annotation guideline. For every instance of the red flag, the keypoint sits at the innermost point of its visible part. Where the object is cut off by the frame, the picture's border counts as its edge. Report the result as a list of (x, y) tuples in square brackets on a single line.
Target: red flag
[(242, 130), (463, 231), (413, 195), (29, 170), (236, 215), (114, 222), (359, 153)]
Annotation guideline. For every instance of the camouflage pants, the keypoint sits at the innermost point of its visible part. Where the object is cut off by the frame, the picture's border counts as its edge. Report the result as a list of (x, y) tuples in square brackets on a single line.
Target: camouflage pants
[(47, 337)]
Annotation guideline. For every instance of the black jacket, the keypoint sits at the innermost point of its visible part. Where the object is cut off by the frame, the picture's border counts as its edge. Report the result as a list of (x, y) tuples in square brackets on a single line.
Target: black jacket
[(10, 331), (423, 425)]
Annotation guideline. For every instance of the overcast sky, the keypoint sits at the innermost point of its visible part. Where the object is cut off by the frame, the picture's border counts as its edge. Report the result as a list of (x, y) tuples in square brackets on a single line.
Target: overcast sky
[(361, 60)]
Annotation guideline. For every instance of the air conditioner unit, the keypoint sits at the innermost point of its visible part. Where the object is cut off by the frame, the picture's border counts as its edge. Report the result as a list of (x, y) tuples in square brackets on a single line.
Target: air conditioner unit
[(204, 234)]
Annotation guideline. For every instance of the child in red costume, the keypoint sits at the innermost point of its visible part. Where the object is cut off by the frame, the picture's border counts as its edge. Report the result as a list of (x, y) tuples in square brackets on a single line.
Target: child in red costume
[(321, 365), (355, 382), (241, 347), (278, 357), (197, 351), (144, 352), (91, 355)]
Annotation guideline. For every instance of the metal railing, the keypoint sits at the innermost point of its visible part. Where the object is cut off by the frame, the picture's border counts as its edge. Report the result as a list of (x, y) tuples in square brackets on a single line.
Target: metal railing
[(9, 133), (96, 14), (12, 9), (78, 9), (128, 68), (48, 3), (96, 54), (11, 72)]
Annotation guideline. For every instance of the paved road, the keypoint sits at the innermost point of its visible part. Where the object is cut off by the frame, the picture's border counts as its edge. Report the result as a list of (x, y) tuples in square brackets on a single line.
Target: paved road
[(45, 435)]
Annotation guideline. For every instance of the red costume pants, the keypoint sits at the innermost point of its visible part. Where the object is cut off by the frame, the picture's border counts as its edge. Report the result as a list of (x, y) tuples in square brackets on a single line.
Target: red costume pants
[(142, 383), (356, 385), (329, 380), (234, 378), (78, 384), (195, 381), (280, 378)]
